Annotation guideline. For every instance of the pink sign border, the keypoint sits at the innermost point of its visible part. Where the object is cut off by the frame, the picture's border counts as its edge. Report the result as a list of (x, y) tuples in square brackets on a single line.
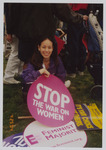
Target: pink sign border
[(49, 122)]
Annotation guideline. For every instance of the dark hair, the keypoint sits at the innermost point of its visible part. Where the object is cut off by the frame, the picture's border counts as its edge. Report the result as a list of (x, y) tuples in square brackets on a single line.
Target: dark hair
[(37, 58)]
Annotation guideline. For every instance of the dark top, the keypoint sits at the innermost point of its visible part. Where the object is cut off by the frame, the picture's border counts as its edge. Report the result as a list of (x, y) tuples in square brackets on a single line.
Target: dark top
[(34, 20)]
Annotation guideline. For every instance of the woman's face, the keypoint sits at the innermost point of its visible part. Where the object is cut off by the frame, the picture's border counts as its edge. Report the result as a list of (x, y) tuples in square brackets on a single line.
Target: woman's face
[(46, 48)]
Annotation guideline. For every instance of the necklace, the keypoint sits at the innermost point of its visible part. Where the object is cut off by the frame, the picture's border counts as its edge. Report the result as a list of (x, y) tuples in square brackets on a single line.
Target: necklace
[(46, 64)]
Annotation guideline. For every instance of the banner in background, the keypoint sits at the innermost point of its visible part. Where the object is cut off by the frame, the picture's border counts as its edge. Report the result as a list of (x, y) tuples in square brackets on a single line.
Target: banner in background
[(87, 117)]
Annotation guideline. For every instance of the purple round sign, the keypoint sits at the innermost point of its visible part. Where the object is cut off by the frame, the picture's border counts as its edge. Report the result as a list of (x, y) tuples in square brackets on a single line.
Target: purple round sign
[(15, 140), (50, 102)]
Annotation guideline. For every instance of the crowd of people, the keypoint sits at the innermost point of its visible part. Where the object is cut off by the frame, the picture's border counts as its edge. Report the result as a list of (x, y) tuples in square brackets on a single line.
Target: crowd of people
[(31, 30)]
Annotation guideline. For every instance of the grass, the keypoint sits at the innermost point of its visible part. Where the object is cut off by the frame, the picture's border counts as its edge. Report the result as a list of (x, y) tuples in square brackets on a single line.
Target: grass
[(13, 104)]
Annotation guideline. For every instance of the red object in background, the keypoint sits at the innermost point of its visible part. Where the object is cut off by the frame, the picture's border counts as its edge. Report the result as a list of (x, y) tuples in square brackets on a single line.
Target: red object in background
[(77, 7), (60, 44), (84, 40)]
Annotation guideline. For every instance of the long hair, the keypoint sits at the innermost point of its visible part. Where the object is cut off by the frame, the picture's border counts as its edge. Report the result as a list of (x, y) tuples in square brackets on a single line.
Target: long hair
[(37, 58)]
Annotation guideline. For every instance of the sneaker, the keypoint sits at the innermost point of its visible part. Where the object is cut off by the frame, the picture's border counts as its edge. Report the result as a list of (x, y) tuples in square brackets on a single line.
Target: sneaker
[(11, 81), (81, 73), (67, 83)]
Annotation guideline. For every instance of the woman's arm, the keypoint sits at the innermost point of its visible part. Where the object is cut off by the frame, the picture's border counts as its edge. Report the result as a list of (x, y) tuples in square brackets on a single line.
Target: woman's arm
[(30, 74)]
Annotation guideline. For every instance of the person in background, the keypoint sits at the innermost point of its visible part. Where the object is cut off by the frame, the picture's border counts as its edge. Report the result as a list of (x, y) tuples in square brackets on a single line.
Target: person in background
[(14, 64), (34, 20), (31, 21), (75, 46)]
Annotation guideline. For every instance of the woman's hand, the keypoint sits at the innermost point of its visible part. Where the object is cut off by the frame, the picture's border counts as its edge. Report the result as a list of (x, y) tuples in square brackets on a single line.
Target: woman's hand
[(45, 72), (85, 17)]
